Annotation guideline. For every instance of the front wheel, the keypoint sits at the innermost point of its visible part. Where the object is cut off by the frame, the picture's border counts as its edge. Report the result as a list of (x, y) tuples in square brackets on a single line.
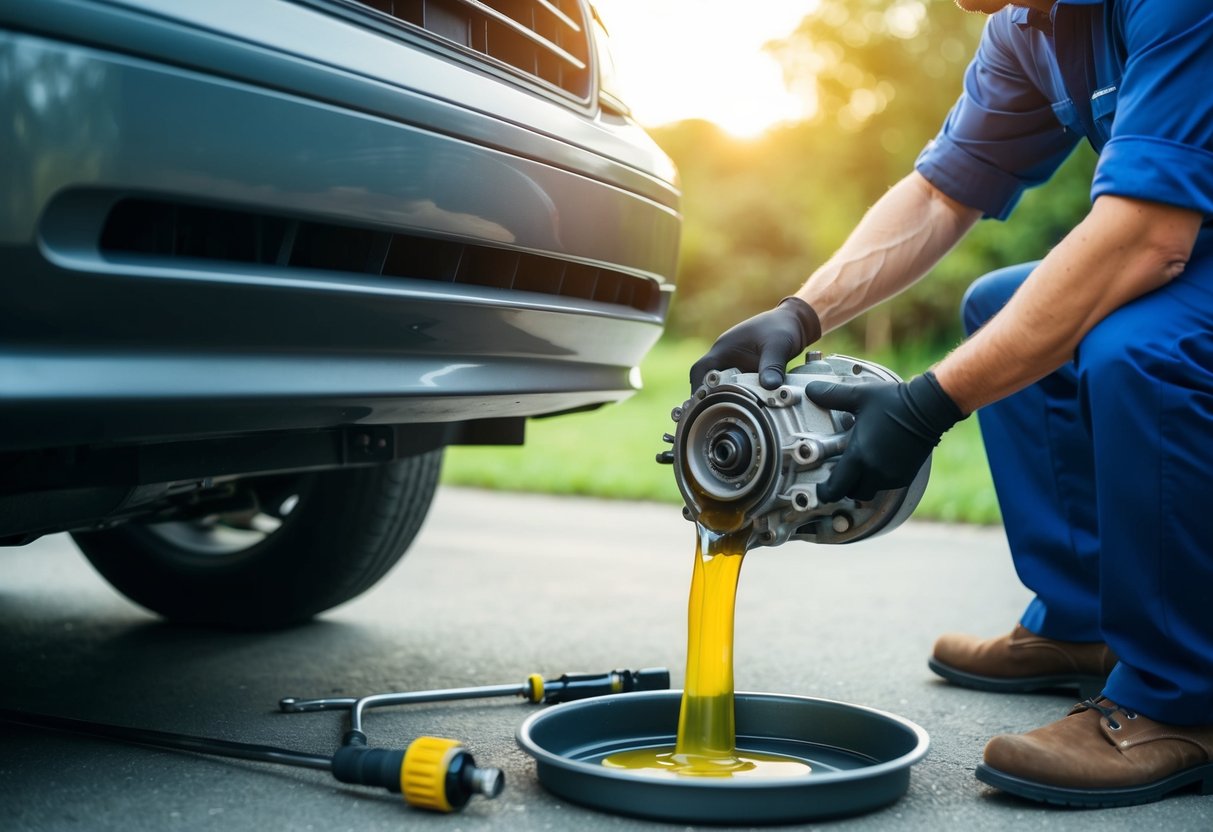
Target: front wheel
[(316, 540)]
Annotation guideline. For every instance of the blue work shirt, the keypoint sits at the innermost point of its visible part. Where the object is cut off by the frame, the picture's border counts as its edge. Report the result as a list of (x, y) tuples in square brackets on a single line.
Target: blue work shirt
[(1135, 77)]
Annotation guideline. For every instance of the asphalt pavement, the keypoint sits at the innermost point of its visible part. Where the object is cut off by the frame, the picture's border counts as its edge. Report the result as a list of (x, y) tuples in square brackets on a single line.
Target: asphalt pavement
[(499, 586)]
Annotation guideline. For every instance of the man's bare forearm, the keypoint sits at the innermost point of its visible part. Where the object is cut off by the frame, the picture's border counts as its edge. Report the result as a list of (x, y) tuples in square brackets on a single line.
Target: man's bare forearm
[(899, 240), (1123, 249)]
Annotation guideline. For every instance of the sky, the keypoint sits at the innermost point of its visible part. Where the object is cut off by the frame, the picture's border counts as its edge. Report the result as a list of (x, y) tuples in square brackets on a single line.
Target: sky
[(680, 59)]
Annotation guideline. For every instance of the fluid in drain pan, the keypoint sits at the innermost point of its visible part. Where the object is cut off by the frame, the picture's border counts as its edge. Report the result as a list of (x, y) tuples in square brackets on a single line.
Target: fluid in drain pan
[(706, 732)]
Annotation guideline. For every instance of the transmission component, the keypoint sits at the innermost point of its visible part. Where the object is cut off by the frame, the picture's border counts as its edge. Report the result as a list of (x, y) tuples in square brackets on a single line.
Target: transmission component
[(748, 457)]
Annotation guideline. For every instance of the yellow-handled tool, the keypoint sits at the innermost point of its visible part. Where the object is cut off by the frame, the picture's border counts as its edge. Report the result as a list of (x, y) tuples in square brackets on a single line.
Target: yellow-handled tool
[(563, 688), (432, 773)]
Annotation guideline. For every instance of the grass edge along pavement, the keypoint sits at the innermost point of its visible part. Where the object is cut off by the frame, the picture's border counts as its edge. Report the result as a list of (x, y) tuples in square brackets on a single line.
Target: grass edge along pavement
[(608, 453)]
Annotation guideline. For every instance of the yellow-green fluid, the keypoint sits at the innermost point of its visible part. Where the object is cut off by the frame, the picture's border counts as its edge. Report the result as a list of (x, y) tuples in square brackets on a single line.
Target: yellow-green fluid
[(706, 733)]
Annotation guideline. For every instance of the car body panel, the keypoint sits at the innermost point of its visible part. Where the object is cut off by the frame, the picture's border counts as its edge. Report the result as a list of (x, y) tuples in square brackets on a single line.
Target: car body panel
[(101, 120), (265, 44), (280, 108)]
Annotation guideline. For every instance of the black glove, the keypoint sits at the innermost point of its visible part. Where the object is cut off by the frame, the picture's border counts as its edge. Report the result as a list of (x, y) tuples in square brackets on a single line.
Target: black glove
[(896, 426), (764, 343)]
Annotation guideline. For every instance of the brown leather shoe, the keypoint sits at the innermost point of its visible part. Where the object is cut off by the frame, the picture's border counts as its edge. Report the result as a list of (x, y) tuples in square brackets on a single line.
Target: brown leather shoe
[(1101, 755), (1022, 661)]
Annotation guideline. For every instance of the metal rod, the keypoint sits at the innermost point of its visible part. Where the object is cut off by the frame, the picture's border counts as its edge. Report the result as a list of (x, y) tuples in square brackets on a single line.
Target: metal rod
[(356, 707), (535, 689), (291, 705), (383, 700)]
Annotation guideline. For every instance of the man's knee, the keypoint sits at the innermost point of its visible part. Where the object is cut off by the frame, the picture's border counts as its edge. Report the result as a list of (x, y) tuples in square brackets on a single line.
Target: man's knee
[(990, 293), (1118, 352)]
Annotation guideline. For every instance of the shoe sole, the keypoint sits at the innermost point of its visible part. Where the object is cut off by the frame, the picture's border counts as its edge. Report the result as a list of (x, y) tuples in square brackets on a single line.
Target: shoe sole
[(1201, 776), (1088, 686)]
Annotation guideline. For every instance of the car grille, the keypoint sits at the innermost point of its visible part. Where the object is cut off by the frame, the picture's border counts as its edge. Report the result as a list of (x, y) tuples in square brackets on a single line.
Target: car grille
[(172, 230), (545, 40)]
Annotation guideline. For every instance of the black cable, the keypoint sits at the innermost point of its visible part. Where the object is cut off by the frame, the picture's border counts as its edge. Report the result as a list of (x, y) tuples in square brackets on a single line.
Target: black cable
[(166, 739)]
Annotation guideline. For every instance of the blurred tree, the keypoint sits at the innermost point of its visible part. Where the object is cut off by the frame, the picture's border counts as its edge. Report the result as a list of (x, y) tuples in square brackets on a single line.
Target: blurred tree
[(760, 214)]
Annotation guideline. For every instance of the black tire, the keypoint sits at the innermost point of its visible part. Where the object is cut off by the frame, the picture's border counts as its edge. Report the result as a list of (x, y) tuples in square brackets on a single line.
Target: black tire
[(345, 531)]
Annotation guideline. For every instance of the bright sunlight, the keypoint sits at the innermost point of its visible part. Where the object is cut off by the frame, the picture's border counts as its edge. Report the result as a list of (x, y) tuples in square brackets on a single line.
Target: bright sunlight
[(684, 59)]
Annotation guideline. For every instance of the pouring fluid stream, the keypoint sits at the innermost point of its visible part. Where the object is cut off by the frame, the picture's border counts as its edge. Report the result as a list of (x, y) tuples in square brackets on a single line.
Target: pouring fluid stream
[(706, 744)]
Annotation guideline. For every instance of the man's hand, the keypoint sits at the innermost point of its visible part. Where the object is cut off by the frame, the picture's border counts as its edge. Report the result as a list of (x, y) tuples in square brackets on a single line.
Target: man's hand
[(896, 426), (764, 343)]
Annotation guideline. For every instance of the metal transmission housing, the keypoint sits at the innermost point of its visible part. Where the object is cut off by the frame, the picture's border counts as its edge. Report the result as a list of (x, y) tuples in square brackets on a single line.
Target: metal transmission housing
[(749, 457)]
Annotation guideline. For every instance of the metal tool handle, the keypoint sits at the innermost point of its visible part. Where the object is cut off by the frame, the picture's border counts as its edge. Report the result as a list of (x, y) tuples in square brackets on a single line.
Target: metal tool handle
[(585, 685), (291, 705), (564, 688)]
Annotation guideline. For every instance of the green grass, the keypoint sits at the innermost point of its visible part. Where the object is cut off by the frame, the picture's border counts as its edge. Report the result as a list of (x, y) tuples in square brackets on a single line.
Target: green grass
[(609, 452)]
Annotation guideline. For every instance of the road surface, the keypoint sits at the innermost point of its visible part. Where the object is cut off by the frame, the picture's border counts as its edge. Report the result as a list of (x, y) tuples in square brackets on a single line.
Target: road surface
[(496, 587)]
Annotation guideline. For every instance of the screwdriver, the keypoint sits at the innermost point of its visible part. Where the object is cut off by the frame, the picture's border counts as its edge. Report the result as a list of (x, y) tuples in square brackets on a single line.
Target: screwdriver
[(535, 689)]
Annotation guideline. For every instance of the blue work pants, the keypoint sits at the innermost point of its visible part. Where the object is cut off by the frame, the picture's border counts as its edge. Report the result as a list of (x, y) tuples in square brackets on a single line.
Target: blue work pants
[(1104, 474)]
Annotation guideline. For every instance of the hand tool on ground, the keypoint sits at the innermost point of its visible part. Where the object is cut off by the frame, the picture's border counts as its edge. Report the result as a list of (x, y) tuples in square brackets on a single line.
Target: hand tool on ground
[(426, 777), (745, 456), (564, 688)]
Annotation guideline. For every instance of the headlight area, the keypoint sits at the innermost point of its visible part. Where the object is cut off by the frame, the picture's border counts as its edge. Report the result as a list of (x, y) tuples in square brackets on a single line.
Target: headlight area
[(610, 94)]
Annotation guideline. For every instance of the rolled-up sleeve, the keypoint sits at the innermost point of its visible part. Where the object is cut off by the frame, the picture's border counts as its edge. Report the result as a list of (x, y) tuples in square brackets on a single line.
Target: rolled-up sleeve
[(1161, 147), (1003, 135)]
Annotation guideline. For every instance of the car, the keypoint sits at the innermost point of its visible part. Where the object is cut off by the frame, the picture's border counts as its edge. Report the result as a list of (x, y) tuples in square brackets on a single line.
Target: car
[(261, 261)]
